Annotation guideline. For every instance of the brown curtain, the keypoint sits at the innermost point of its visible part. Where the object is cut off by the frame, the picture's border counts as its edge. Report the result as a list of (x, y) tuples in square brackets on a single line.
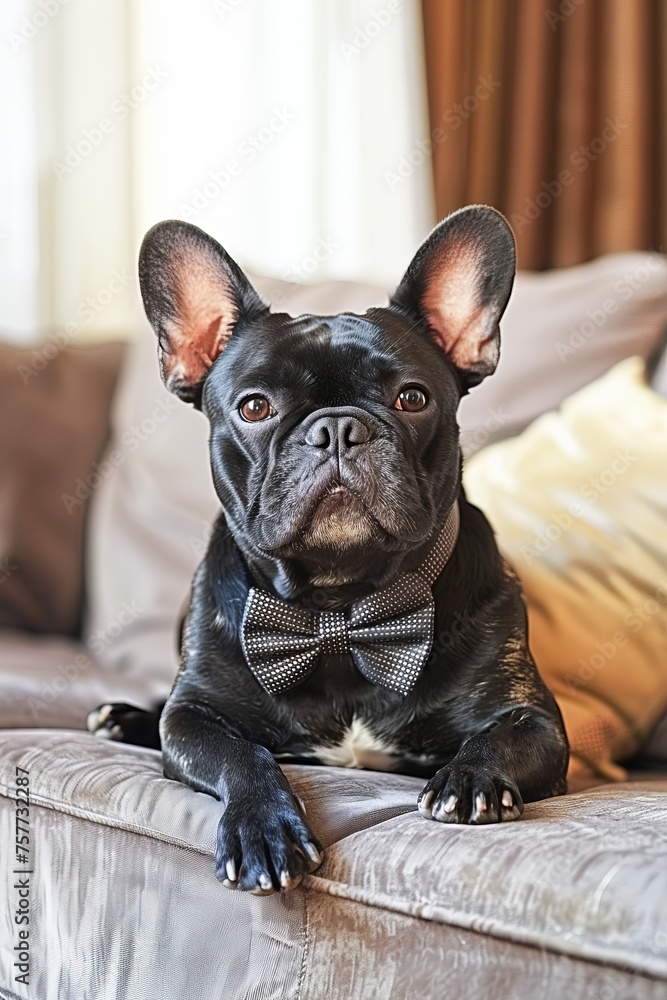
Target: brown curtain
[(556, 113)]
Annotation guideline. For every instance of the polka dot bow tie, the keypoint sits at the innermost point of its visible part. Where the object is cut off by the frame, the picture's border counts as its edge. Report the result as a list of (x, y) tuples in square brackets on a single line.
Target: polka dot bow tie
[(388, 634)]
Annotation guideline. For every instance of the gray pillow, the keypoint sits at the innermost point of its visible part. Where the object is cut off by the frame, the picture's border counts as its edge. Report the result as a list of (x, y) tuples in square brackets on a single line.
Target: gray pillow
[(563, 329)]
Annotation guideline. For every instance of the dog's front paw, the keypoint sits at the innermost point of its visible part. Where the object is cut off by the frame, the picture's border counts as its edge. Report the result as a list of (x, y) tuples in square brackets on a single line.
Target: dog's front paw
[(265, 847), (106, 722), (125, 724), (466, 793)]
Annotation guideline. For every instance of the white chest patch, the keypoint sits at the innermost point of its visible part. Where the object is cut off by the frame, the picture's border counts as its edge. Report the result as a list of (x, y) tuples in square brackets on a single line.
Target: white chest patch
[(359, 748)]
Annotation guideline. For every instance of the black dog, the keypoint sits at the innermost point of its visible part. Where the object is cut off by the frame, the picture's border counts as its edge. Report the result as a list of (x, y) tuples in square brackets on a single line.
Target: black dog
[(352, 607)]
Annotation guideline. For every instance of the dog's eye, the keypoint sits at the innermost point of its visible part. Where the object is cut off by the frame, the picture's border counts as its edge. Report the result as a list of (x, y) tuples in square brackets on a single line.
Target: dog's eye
[(256, 408), (412, 399)]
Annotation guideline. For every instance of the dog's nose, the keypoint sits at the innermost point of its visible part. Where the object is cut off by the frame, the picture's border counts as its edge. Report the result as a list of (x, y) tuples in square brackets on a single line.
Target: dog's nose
[(343, 433)]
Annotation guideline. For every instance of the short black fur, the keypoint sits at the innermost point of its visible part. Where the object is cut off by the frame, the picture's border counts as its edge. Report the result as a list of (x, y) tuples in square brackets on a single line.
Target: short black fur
[(333, 496)]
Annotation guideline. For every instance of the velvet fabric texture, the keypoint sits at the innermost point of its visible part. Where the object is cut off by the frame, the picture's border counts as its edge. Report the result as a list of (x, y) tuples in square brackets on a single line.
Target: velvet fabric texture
[(569, 900)]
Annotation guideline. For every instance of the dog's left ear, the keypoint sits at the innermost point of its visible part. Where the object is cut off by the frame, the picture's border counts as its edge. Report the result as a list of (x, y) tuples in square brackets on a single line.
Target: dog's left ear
[(459, 283), (195, 296)]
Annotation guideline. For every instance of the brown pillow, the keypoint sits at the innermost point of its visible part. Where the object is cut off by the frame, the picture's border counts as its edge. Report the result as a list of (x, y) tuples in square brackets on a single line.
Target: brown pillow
[(54, 422)]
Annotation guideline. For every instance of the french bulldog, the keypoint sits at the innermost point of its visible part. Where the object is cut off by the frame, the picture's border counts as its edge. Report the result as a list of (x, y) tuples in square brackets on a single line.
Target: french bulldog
[(352, 607)]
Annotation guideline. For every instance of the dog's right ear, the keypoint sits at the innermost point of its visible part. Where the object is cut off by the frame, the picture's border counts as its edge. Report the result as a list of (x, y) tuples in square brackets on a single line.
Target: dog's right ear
[(194, 295), (458, 284)]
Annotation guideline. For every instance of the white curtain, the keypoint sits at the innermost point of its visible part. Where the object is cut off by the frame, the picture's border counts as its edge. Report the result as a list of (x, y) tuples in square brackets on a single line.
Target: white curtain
[(283, 128)]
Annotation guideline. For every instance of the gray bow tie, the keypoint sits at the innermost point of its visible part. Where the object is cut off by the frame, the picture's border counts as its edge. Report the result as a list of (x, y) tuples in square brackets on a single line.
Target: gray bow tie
[(388, 634)]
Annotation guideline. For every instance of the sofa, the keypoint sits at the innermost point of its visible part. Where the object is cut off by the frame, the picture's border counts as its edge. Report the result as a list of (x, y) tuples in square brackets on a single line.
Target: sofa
[(104, 514)]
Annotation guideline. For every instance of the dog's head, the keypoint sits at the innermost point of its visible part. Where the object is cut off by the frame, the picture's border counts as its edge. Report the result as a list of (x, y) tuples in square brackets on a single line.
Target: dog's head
[(334, 441)]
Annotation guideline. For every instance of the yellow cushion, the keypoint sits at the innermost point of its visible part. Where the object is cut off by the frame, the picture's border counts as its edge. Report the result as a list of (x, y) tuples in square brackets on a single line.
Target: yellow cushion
[(579, 505)]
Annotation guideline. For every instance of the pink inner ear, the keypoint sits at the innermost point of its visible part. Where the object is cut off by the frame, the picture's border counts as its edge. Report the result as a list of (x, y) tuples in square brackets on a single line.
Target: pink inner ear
[(463, 327), (205, 316)]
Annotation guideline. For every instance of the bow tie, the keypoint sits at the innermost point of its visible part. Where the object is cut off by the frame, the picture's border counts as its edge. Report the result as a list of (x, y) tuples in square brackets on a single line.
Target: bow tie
[(389, 634)]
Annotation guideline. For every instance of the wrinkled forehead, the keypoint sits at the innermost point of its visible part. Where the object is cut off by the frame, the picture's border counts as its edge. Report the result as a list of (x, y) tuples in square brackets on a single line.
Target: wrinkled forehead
[(380, 345)]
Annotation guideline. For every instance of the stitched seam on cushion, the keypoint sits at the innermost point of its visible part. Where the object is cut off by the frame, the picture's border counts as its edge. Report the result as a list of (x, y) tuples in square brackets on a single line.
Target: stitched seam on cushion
[(484, 925), (101, 820), (95, 819), (306, 947), (57, 805)]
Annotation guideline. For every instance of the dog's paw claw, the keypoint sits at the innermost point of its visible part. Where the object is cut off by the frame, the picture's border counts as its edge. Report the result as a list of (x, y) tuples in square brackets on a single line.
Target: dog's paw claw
[(313, 853), (463, 793), (269, 851), (264, 884), (424, 802), (509, 809), (288, 881)]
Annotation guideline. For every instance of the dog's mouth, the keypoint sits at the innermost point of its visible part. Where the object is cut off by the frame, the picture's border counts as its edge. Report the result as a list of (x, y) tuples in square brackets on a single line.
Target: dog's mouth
[(337, 499), (339, 518), (340, 509)]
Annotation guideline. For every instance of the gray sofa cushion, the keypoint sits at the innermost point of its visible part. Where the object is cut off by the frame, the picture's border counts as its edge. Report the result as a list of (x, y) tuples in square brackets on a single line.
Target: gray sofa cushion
[(584, 875), (360, 952), (54, 682), (126, 904)]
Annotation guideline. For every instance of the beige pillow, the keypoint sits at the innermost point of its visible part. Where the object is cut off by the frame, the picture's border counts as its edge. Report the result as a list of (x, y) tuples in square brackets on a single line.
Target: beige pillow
[(579, 504)]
